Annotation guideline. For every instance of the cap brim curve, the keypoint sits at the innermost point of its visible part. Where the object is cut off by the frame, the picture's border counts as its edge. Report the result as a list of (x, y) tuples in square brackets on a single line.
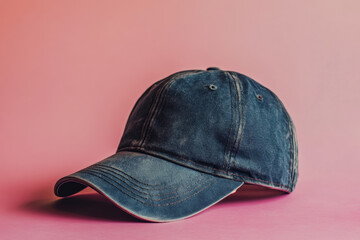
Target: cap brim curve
[(148, 187)]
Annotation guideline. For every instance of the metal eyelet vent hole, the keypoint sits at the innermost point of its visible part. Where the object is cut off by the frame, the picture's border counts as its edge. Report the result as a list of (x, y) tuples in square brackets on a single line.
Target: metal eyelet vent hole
[(212, 87), (259, 97)]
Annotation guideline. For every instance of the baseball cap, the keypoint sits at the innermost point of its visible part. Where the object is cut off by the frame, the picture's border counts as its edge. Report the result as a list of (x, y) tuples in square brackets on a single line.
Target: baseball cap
[(192, 139)]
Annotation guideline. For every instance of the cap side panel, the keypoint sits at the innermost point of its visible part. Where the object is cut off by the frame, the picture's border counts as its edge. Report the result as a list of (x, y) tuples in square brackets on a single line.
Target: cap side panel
[(293, 149), (160, 101), (151, 111), (137, 122), (263, 153), (140, 112)]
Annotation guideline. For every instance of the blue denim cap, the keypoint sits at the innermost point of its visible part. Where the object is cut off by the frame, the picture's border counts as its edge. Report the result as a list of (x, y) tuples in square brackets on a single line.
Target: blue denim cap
[(192, 139)]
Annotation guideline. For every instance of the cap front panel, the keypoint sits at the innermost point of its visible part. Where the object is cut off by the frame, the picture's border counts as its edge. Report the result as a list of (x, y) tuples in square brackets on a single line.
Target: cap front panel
[(195, 123)]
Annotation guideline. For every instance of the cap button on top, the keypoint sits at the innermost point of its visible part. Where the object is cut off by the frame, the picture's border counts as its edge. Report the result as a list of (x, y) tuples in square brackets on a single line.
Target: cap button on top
[(212, 68)]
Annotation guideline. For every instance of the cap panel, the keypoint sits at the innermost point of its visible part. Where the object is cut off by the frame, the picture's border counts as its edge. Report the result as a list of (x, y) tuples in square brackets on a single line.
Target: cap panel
[(195, 124), (263, 155), (140, 116), (133, 129)]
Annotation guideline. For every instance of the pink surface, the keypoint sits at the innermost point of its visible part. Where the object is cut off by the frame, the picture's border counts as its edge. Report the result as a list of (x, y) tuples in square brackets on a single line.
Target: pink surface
[(71, 71)]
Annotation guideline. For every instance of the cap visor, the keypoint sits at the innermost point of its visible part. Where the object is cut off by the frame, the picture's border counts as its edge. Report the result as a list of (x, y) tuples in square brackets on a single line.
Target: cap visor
[(149, 187)]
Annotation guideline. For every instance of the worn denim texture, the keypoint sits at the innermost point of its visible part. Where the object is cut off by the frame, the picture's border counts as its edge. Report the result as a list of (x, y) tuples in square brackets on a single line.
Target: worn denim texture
[(190, 140), (149, 187)]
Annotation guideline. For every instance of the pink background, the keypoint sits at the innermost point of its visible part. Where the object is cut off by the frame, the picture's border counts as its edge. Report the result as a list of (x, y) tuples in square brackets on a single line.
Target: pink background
[(71, 71)]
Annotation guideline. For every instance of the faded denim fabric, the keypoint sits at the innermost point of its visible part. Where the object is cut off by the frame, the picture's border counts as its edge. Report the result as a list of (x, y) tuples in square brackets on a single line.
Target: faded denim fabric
[(190, 140)]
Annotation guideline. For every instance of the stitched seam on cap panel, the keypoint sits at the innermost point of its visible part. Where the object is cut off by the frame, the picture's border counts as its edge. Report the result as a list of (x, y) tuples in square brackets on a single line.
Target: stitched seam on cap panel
[(137, 103), (163, 96), (236, 132), (156, 110), (228, 146), (241, 111), (151, 112), (240, 123), (153, 105)]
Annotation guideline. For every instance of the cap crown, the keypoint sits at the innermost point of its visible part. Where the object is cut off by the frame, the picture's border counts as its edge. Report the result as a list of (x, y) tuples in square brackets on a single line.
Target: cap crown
[(219, 122)]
